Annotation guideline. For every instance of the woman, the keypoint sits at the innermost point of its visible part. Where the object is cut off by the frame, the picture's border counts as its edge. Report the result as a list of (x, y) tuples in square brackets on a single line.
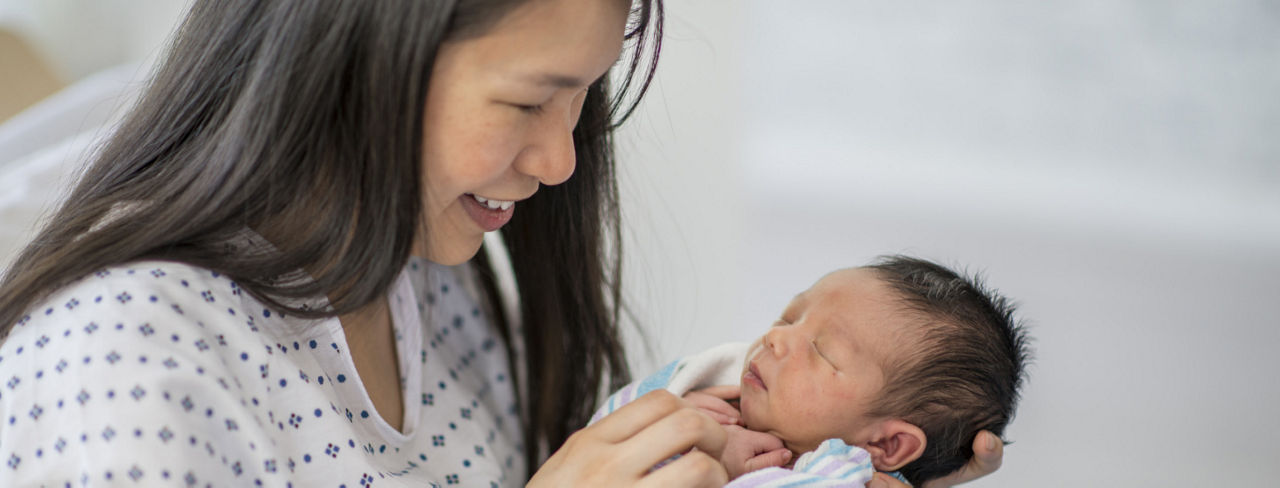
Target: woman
[(267, 275)]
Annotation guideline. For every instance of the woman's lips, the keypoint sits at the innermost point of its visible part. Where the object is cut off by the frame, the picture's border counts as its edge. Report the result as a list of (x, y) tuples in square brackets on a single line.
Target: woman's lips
[(752, 378), (489, 219)]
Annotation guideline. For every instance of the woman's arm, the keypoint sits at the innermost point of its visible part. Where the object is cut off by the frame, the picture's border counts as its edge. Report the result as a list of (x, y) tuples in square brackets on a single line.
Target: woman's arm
[(988, 453)]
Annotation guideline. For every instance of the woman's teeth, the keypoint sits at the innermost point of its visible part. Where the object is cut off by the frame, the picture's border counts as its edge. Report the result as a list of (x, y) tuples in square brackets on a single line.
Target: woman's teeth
[(493, 204)]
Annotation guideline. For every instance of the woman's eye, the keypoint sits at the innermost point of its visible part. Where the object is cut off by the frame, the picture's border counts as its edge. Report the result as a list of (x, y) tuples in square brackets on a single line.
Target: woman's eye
[(529, 109)]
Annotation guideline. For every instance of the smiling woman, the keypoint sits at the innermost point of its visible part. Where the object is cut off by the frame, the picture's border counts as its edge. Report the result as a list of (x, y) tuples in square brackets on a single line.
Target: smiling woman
[(275, 258), (500, 115), (272, 271)]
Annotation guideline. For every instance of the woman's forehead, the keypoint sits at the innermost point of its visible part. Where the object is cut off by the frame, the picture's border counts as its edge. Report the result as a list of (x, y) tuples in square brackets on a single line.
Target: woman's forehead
[(553, 41)]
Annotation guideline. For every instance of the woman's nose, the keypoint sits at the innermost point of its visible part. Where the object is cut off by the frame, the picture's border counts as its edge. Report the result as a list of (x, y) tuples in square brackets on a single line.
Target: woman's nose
[(550, 155)]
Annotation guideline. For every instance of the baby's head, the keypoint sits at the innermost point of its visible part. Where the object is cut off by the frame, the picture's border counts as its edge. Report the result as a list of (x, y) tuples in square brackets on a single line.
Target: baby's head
[(903, 358)]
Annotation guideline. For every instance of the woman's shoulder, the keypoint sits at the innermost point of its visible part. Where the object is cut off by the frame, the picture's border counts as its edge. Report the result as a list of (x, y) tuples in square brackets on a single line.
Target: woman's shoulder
[(116, 371), (146, 308), (134, 291)]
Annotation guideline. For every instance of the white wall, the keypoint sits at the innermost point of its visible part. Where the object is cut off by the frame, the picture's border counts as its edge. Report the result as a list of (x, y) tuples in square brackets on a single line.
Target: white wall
[(80, 37), (1110, 165)]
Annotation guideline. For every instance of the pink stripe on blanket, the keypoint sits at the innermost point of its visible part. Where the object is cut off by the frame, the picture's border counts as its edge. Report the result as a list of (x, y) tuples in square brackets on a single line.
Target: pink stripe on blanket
[(833, 463)]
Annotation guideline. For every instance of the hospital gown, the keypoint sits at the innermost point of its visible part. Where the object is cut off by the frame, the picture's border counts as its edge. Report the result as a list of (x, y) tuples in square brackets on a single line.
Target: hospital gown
[(158, 373)]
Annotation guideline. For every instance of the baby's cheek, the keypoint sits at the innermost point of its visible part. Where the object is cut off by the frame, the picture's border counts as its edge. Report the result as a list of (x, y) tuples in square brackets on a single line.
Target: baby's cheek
[(815, 406)]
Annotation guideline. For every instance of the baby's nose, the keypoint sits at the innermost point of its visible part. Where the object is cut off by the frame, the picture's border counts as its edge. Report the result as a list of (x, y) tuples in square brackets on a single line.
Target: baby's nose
[(776, 340)]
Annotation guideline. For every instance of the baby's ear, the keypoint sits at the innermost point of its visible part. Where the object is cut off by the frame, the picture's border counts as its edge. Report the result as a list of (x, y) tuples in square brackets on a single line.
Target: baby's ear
[(896, 443)]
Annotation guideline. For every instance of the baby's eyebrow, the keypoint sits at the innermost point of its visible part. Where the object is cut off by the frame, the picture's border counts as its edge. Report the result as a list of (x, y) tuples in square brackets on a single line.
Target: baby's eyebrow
[(845, 337), (799, 299), (796, 302)]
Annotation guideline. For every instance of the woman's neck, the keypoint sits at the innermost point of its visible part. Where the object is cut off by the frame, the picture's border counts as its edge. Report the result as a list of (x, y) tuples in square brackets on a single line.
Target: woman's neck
[(372, 344)]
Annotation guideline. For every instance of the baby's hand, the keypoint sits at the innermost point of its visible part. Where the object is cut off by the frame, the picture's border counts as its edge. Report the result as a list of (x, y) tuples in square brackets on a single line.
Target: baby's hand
[(747, 450), (713, 401)]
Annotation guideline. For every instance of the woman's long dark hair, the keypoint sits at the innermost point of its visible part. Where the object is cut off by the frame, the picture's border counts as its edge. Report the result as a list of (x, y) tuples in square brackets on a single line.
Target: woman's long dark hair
[(302, 120)]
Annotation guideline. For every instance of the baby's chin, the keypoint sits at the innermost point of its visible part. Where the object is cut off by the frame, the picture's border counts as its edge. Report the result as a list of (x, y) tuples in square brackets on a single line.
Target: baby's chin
[(746, 409)]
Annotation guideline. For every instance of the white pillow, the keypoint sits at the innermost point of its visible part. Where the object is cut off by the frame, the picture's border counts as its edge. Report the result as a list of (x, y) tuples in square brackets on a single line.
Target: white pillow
[(43, 148), (93, 102), (35, 185)]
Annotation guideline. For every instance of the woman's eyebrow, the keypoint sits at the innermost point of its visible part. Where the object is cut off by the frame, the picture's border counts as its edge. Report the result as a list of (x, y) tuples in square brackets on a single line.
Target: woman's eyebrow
[(553, 79)]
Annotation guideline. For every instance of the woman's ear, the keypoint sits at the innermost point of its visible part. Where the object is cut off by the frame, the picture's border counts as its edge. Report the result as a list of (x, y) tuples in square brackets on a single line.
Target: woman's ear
[(896, 443)]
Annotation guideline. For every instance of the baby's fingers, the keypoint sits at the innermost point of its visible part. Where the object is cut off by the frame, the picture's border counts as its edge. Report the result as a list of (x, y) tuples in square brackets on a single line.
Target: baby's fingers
[(776, 457), (714, 406), (723, 392), (720, 418)]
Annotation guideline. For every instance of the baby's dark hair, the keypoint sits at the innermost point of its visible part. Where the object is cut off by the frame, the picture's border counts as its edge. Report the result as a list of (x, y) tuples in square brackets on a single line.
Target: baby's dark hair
[(964, 372)]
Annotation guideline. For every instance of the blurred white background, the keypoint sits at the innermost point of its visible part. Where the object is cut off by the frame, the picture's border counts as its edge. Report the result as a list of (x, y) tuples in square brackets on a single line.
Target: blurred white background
[(1112, 165)]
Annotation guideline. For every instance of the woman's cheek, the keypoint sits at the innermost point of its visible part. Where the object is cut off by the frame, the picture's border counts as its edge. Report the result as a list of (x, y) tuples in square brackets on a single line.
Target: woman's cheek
[(499, 144)]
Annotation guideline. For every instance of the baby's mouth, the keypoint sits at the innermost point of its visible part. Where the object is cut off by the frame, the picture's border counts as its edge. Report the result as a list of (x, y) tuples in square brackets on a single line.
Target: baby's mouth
[(752, 377)]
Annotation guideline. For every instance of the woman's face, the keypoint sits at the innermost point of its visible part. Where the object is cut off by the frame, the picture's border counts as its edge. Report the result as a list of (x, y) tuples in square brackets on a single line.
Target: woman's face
[(500, 114)]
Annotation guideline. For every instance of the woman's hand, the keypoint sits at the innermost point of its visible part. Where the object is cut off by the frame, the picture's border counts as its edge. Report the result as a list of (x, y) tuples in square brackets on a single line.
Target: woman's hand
[(744, 451), (988, 453), (620, 449)]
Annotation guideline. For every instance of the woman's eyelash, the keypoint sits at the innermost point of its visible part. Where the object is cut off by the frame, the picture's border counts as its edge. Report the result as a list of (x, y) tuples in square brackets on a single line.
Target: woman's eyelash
[(530, 109)]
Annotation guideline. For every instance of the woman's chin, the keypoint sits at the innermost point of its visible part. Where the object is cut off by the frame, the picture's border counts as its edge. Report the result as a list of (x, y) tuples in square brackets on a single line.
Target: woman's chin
[(449, 254)]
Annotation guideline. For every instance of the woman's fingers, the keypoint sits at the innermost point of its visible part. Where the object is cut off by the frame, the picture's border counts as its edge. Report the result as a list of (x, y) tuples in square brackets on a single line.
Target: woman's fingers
[(650, 430), (881, 480), (695, 469), (635, 416), (675, 434), (621, 448), (988, 454)]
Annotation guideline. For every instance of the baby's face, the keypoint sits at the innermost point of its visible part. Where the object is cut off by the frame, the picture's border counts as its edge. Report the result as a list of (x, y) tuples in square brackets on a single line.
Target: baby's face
[(814, 374)]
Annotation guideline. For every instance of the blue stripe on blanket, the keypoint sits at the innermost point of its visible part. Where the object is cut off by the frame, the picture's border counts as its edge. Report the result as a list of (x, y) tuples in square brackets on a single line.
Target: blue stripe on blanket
[(632, 391), (658, 380)]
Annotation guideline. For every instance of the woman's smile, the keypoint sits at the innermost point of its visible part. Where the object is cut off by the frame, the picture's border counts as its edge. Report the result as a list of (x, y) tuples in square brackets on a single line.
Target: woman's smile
[(488, 213)]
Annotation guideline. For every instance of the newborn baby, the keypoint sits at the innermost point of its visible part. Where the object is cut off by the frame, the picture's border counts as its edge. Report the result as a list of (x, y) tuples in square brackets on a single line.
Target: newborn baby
[(890, 367)]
